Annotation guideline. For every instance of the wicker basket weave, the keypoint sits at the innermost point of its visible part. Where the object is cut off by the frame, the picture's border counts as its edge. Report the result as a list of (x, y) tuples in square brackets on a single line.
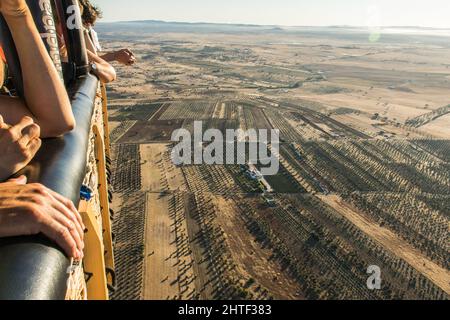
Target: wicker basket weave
[(76, 284)]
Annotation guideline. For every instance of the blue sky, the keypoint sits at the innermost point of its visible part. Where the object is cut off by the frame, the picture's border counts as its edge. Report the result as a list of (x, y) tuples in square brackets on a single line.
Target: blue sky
[(427, 13)]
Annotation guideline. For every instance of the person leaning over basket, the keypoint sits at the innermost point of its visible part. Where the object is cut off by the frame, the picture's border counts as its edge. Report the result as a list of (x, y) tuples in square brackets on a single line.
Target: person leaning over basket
[(46, 100), (44, 111), (99, 67), (89, 15)]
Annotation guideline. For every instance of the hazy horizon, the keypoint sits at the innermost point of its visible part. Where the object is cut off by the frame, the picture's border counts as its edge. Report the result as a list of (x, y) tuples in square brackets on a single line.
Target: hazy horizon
[(272, 25), (288, 13)]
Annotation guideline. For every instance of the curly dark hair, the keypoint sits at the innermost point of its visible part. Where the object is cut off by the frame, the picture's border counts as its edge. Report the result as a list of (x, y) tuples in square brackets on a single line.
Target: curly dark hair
[(90, 12)]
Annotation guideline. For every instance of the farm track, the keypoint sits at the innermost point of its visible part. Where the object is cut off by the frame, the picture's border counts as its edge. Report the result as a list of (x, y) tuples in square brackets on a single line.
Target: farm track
[(424, 119)]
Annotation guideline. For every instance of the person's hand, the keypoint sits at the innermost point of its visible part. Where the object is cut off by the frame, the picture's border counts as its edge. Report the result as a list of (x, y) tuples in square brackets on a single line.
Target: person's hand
[(125, 56), (18, 145), (31, 209), (13, 8)]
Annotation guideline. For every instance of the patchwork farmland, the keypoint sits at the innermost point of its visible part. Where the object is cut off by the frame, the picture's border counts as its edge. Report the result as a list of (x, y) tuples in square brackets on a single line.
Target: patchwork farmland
[(364, 177)]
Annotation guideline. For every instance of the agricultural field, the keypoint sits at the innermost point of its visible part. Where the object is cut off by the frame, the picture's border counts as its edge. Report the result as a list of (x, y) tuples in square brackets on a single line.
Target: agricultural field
[(363, 180)]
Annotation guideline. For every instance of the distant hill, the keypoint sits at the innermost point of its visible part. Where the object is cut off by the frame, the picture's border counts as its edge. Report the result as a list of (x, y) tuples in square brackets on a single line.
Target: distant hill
[(156, 26)]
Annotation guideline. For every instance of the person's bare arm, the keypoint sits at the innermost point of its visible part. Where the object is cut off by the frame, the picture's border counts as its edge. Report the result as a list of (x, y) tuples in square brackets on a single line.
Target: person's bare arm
[(30, 209), (105, 72), (123, 56), (88, 41), (108, 56), (46, 99)]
